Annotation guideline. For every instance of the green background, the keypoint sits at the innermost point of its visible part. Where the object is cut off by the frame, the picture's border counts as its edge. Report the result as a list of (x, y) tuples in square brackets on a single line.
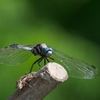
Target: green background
[(71, 26)]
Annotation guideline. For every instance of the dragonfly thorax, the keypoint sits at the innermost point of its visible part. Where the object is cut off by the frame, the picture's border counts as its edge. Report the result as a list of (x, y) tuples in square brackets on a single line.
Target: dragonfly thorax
[(42, 50)]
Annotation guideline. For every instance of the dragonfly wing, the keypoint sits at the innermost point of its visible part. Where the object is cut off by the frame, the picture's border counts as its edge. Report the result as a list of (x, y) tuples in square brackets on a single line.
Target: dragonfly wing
[(13, 56), (75, 67)]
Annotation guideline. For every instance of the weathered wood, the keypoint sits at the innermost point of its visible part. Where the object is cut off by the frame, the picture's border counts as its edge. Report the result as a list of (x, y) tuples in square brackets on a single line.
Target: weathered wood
[(35, 86)]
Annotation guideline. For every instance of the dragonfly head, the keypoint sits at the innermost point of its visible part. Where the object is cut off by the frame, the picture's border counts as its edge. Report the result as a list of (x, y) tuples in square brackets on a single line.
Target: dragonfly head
[(46, 51)]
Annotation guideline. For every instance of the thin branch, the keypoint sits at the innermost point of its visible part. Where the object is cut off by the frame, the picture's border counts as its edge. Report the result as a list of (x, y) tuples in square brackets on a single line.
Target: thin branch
[(35, 86)]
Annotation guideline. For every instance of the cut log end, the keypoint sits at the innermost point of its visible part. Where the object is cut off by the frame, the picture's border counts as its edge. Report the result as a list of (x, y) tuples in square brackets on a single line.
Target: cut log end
[(57, 72)]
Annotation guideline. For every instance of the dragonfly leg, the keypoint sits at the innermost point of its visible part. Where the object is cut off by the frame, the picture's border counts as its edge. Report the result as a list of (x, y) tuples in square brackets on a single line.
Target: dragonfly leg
[(34, 63), (47, 60), (52, 58), (40, 61)]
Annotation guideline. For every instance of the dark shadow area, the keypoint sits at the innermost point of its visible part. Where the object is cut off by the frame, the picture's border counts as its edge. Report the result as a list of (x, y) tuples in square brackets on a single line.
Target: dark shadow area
[(78, 16)]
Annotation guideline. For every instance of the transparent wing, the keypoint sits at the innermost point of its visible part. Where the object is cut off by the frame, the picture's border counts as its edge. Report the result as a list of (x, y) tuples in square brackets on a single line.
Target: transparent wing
[(75, 67), (13, 56)]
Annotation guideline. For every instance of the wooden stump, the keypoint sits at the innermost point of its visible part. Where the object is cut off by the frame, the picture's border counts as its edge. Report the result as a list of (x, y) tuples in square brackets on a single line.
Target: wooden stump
[(35, 86)]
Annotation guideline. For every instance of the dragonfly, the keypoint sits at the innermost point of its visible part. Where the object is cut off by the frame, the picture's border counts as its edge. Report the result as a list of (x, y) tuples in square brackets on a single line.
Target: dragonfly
[(15, 54)]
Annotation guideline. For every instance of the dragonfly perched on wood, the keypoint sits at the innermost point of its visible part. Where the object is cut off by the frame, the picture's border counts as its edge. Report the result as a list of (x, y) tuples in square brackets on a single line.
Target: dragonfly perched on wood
[(15, 54)]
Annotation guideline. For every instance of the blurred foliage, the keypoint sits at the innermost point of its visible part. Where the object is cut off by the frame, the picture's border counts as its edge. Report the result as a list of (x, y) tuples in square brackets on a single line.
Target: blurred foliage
[(71, 26)]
